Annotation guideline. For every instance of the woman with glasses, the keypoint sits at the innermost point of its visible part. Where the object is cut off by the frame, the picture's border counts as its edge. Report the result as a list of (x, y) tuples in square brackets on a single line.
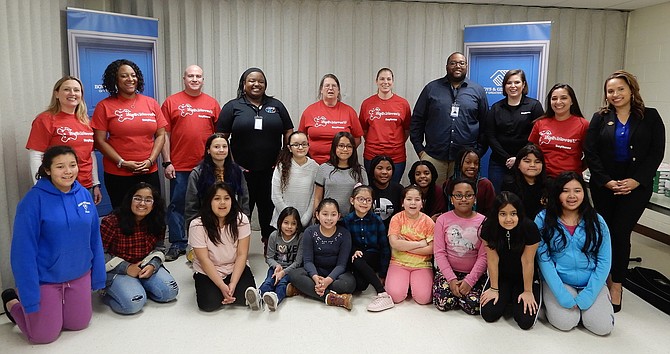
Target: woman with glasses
[(258, 126), (326, 117), (132, 238), (293, 179), (337, 178), (460, 254), (385, 118)]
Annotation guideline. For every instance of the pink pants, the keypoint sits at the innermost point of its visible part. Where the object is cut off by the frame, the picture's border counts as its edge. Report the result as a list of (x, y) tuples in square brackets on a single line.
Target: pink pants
[(399, 279), (62, 306)]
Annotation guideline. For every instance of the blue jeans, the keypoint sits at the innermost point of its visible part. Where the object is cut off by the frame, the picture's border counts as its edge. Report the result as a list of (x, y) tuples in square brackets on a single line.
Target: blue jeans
[(127, 295), (398, 170), (269, 285), (498, 173), (175, 214)]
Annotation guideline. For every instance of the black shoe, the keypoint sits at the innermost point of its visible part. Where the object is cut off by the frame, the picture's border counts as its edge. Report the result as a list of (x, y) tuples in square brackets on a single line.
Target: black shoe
[(7, 296), (617, 308), (174, 253)]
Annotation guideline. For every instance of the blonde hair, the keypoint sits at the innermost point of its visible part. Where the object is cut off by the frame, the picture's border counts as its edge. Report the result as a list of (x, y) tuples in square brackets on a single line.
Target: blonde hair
[(80, 111)]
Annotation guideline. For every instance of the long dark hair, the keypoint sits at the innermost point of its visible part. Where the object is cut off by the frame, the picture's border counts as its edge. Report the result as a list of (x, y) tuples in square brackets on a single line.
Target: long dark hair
[(355, 168), (211, 222), (49, 157), (429, 196), (574, 108), (636, 102), (289, 211), (232, 173), (109, 77), (554, 235), (494, 234), (284, 161), (154, 222)]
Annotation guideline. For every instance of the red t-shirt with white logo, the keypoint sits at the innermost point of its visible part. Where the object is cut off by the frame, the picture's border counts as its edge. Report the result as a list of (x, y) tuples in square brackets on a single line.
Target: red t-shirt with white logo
[(64, 129), (191, 120), (561, 142), (321, 123), (132, 125), (386, 122)]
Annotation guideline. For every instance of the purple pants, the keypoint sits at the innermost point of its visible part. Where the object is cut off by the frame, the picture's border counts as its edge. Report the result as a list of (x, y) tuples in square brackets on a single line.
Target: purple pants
[(62, 306)]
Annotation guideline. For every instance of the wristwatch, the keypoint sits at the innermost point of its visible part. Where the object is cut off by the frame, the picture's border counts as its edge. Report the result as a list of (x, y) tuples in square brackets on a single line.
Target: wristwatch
[(166, 164)]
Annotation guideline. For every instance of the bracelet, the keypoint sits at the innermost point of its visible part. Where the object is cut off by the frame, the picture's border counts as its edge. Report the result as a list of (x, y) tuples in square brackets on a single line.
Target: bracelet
[(120, 164), (150, 162), (493, 289)]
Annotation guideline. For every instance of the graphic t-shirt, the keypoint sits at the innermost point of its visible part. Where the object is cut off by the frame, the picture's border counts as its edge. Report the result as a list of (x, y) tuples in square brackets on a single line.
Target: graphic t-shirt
[(191, 120), (561, 143), (64, 129), (458, 246), (131, 125), (321, 123), (386, 122)]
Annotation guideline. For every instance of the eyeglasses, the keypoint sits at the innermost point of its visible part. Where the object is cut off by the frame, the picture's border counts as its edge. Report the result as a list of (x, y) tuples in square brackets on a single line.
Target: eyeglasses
[(139, 200), (301, 145), (364, 200), (345, 146), (461, 196), (457, 63)]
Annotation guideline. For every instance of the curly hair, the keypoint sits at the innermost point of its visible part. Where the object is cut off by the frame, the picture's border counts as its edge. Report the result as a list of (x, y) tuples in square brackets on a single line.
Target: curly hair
[(154, 222), (284, 160), (109, 78)]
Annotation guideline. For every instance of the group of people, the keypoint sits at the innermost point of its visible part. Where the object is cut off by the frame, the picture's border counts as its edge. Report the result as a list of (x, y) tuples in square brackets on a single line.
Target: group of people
[(331, 226)]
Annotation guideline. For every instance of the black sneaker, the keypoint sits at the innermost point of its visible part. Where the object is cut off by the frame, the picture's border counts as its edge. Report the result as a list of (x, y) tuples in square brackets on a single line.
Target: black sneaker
[(174, 253), (7, 296)]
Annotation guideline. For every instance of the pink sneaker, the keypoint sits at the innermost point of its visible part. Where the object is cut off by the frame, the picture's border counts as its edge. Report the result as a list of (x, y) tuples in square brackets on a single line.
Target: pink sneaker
[(381, 302)]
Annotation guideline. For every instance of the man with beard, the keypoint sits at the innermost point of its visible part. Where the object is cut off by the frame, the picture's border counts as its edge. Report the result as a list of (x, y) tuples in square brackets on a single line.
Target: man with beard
[(449, 114)]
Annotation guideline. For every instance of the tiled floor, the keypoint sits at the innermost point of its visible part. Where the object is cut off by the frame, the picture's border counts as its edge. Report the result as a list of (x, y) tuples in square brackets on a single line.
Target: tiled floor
[(305, 326)]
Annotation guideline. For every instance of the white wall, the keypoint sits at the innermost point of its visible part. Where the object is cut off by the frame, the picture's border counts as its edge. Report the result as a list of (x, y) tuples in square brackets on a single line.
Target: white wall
[(648, 57), (294, 41)]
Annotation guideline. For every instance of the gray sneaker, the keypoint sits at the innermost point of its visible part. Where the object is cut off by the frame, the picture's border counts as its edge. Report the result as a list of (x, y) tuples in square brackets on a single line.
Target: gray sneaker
[(174, 253), (271, 300), (253, 298)]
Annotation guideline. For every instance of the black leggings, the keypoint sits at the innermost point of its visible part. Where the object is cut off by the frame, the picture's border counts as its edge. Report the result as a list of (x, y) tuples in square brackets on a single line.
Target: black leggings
[(259, 184), (365, 271), (344, 284), (508, 294), (209, 296)]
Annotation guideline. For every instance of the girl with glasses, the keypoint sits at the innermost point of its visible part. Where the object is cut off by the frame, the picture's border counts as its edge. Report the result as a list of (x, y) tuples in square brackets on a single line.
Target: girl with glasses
[(337, 177), (370, 253), (293, 179), (132, 237), (460, 254)]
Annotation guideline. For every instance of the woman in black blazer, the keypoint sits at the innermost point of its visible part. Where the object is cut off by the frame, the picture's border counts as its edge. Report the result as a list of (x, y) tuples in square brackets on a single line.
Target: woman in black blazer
[(624, 146)]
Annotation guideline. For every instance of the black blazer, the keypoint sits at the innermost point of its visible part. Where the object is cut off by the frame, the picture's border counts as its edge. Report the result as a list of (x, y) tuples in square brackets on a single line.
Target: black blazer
[(646, 146)]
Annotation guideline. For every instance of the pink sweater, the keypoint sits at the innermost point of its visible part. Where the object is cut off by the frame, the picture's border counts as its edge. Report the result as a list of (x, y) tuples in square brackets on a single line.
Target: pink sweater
[(458, 247)]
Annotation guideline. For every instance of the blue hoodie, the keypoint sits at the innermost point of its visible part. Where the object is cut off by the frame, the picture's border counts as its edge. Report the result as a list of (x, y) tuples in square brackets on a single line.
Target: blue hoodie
[(56, 239), (571, 266)]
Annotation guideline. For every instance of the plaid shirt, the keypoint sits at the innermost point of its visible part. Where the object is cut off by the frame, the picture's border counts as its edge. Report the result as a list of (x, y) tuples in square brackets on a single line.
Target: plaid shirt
[(131, 248), (368, 234)]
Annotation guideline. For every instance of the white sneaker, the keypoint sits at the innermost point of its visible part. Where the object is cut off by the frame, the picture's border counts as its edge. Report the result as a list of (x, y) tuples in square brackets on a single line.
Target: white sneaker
[(271, 300), (381, 302), (253, 298)]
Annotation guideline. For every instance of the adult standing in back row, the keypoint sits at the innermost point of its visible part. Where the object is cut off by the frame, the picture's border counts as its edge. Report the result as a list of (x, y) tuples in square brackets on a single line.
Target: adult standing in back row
[(449, 114), (328, 116), (191, 116), (260, 126)]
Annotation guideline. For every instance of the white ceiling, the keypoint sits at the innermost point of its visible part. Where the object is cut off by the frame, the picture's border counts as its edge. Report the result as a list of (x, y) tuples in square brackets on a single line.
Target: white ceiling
[(581, 4)]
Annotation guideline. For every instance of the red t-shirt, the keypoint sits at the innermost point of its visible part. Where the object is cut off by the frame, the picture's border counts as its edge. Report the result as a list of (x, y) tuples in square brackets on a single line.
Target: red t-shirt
[(131, 124), (321, 123), (561, 142), (191, 120), (386, 122), (64, 129)]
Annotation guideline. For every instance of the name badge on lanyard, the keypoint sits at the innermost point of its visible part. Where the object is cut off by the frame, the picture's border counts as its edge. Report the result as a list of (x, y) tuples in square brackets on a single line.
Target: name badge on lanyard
[(258, 122), (454, 110)]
